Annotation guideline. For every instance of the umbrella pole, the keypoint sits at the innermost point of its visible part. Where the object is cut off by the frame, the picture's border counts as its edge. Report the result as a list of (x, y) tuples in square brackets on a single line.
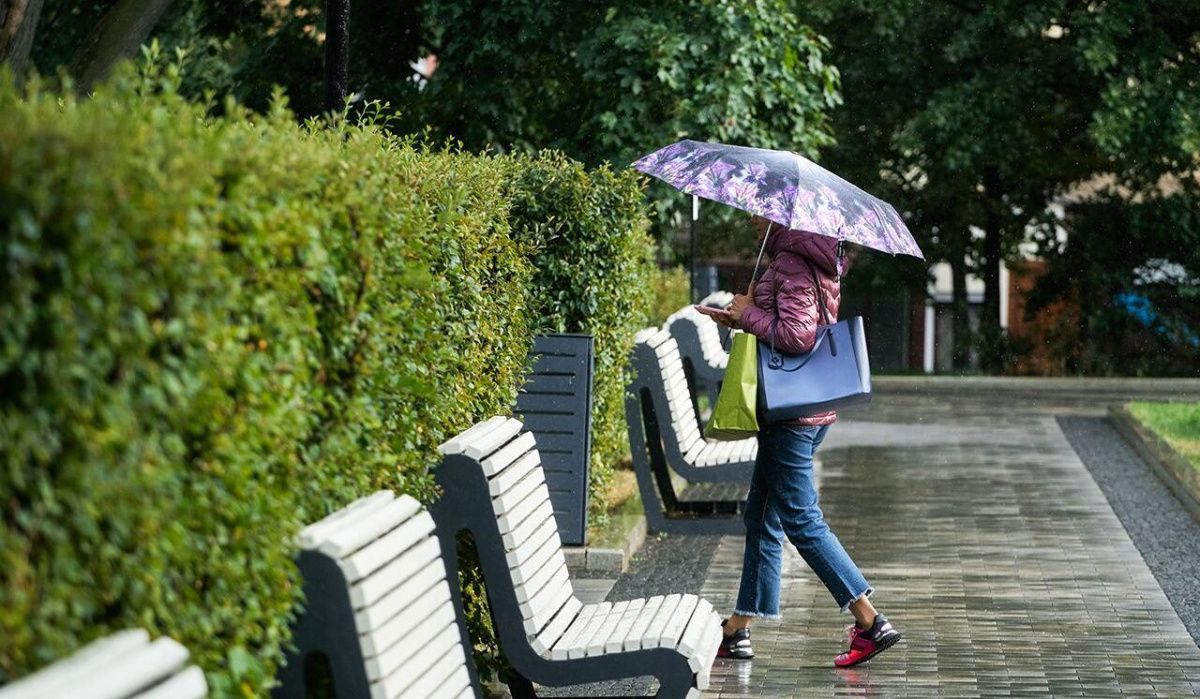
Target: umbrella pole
[(692, 240)]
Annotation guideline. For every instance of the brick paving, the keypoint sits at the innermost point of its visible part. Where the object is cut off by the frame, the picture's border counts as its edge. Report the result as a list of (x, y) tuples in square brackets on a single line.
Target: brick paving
[(990, 545)]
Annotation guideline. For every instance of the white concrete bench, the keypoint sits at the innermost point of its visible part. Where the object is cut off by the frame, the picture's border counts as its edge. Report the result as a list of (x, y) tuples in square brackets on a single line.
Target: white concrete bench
[(717, 299), (124, 665), (378, 607), (700, 348), (494, 486), (665, 436)]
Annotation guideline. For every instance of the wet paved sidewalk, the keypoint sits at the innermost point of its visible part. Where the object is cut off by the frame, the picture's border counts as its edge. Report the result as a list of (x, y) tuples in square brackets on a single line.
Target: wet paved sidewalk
[(990, 546)]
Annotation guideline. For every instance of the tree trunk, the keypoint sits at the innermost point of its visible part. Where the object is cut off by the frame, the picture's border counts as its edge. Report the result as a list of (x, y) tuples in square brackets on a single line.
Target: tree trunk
[(18, 24), (118, 35), (337, 54), (959, 308)]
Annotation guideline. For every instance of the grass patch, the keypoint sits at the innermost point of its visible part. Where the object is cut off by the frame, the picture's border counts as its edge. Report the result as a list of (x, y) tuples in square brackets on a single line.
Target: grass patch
[(1178, 423)]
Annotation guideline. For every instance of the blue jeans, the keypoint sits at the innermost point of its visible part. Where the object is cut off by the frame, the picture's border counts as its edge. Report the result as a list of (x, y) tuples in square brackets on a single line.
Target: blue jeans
[(783, 502)]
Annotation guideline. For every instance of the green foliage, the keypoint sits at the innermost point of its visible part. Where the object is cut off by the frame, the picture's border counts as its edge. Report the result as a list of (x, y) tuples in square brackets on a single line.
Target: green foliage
[(612, 81), (671, 290), (735, 72), (593, 262), (213, 330), (984, 116)]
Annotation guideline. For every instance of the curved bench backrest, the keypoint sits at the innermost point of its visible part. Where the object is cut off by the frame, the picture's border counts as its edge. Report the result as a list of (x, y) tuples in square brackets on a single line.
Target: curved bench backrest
[(390, 562), (121, 666), (524, 515), (658, 349), (689, 320)]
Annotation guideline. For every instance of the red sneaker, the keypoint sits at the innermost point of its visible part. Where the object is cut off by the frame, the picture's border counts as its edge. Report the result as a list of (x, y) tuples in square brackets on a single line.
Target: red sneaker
[(867, 643)]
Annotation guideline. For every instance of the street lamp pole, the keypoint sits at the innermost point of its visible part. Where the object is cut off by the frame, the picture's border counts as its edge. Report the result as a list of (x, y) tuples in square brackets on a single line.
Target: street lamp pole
[(693, 288)]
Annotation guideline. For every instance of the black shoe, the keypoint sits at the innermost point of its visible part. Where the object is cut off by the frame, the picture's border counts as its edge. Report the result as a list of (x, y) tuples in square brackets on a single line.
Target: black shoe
[(735, 645)]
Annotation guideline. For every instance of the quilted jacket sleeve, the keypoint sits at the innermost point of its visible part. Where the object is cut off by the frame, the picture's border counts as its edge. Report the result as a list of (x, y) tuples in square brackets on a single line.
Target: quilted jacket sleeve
[(796, 301)]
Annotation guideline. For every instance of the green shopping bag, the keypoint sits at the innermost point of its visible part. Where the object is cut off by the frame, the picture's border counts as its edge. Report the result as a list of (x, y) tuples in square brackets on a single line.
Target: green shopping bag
[(734, 417)]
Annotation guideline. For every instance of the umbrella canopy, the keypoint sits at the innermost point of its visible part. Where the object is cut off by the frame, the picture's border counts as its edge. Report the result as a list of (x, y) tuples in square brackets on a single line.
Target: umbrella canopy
[(784, 187)]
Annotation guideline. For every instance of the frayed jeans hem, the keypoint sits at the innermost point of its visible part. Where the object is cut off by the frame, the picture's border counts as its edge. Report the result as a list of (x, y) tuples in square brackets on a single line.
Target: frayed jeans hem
[(759, 615), (868, 593)]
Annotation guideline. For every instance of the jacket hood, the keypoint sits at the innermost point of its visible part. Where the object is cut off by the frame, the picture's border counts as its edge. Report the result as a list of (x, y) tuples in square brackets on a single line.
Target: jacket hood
[(821, 249)]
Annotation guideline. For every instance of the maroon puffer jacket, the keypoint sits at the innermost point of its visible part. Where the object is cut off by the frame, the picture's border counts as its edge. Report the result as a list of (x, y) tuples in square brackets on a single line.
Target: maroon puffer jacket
[(788, 288)]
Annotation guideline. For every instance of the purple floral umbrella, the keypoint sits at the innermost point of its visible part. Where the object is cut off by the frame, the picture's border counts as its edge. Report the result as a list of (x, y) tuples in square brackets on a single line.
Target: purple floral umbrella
[(783, 187)]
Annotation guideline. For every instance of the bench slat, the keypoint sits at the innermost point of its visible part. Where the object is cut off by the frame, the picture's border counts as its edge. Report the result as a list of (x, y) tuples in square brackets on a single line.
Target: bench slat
[(455, 444), (545, 551), (653, 636), (577, 648), (678, 621), (74, 668), (405, 609), (546, 607), (430, 685), (637, 633), (486, 443), (676, 383), (689, 438), (656, 337), (670, 374), (597, 643), (514, 473), (667, 345), (707, 655), (394, 644), (543, 512), (415, 561), (704, 621), (538, 579), (407, 664), (189, 684), (518, 501), (538, 599), (138, 670), (315, 533), (616, 641), (668, 357), (458, 684), (378, 553), (559, 650), (548, 636), (363, 530), (499, 461), (521, 556)]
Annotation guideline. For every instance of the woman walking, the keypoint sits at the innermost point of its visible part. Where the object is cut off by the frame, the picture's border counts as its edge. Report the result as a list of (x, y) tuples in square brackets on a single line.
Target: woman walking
[(805, 270)]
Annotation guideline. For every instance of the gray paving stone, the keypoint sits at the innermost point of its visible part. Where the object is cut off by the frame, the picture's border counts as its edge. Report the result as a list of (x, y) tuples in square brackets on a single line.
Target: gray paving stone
[(989, 544)]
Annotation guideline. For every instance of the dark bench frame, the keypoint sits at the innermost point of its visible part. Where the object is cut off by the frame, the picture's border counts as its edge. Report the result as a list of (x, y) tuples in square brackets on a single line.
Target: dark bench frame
[(466, 504), (654, 446)]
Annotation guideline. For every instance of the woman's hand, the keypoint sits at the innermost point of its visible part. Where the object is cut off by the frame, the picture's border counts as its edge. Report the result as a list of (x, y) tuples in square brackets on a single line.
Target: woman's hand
[(739, 305)]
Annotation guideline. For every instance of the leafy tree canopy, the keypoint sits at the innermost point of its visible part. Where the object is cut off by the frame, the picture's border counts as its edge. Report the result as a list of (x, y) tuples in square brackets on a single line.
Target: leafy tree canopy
[(971, 114)]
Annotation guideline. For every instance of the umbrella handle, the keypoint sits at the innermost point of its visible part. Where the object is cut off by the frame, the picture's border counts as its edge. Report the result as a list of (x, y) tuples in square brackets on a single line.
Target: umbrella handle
[(754, 275)]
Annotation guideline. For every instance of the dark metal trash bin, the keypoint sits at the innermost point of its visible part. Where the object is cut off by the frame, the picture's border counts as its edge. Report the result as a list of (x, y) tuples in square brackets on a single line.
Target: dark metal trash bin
[(556, 406)]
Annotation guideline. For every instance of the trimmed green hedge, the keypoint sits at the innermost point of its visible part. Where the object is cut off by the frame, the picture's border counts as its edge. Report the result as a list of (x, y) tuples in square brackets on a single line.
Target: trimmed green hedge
[(593, 265), (213, 330)]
